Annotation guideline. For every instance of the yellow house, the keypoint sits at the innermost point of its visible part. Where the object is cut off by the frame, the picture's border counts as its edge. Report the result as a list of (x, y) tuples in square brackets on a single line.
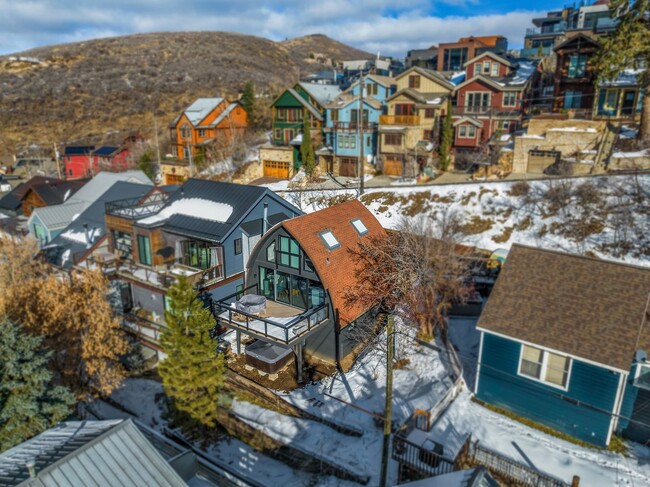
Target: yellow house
[(175, 171), (410, 131)]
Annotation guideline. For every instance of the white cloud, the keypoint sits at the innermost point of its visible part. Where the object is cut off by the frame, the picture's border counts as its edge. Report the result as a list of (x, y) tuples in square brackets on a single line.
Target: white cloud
[(389, 26)]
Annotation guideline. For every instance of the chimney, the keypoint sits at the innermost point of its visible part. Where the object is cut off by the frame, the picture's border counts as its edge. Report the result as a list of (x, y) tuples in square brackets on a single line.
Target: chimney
[(265, 218), (86, 234), (31, 468)]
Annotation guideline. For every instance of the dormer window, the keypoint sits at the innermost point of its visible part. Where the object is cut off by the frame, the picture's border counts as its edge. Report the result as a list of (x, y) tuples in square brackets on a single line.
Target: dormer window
[(185, 131), (495, 69), (359, 227), (414, 81), (486, 67), (330, 240)]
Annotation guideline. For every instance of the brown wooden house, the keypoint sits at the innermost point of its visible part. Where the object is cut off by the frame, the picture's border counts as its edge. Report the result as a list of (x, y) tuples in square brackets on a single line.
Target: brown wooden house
[(575, 76)]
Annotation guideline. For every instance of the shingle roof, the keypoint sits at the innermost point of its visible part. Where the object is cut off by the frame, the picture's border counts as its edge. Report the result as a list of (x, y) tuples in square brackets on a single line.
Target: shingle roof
[(588, 308), (112, 452), (55, 193), (336, 268), (13, 199), (200, 109)]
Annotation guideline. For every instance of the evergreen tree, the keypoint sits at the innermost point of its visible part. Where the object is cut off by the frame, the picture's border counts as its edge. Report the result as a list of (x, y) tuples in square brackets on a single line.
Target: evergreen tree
[(629, 47), (29, 404), (146, 164), (307, 149), (447, 139), (248, 103), (192, 373)]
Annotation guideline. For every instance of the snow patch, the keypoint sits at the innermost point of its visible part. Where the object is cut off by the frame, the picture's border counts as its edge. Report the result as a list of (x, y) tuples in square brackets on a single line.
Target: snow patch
[(194, 207)]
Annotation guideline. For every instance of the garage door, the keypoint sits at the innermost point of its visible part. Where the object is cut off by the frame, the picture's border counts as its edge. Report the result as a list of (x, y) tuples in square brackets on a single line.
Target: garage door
[(276, 169), (392, 167), (348, 167)]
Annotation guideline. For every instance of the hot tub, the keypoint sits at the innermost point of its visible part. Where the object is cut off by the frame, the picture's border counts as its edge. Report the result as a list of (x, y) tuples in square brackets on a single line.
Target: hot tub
[(267, 357)]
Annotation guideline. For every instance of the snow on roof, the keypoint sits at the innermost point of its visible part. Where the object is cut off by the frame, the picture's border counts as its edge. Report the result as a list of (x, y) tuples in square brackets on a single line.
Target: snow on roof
[(626, 78), (194, 207), (198, 110), (323, 94), (80, 236), (573, 129), (524, 71), (626, 155)]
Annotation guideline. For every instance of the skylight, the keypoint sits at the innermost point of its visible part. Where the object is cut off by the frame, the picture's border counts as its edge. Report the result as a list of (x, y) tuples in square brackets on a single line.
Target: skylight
[(330, 240), (359, 226)]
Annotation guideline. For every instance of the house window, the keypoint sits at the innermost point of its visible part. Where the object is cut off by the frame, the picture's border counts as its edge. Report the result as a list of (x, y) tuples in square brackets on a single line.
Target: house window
[(144, 250), (282, 113), (185, 131), (429, 113), (572, 99), (477, 101), (495, 69), (577, 65), (198, 254), (278, 134), (122, 243), (509, 99), (466, 131), (477, 69), (504, 124), (405, 109), (307, 265), (371, 88), (237, 244), (608, 102), (202, 133), (270, 252), (426, 134), (239, 289), (392, 139), (334, 115), (174, 152), (289, 252), (414, 81), (544, 366), (486, 67)]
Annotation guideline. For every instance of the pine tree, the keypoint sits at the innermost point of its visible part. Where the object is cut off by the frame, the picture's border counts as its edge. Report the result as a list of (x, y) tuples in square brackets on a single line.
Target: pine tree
[(77, 321), (307, 149), (248, 103), (146, 164), (446, 140), (192, 373), (29, 404), (629, 47)]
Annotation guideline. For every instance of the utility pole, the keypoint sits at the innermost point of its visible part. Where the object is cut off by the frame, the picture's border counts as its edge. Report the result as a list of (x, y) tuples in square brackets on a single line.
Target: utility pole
[(189, 153), (56, 158), (155, 128), (360, 135), (388, 420)]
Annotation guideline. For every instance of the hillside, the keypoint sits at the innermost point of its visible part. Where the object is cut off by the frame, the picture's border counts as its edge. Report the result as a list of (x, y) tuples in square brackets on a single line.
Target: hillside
[(74, 91)]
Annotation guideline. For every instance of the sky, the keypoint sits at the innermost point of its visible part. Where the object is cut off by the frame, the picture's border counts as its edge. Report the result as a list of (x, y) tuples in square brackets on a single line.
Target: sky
[(388, 26)]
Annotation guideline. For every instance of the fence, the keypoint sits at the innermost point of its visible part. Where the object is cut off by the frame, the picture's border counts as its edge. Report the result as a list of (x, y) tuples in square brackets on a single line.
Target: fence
[(420, 462), (516, 473)]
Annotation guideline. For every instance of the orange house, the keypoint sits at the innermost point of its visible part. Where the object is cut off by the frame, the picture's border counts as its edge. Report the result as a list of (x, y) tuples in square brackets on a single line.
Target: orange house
[(206, 123)]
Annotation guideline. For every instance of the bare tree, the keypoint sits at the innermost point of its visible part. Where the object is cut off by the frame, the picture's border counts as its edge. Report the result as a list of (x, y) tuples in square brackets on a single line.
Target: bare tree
[(418, 272)]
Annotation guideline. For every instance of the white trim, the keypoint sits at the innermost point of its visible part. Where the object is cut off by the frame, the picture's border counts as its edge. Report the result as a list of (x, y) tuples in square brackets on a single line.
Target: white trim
[(544, 364), (478, 367), (618, 401), (581, 359)]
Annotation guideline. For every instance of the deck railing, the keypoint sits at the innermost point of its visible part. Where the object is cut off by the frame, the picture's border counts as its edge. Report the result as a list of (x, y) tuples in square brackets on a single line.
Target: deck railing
[(420, 461), (255, 325), (399, 119), (352, 127), (133, 208)]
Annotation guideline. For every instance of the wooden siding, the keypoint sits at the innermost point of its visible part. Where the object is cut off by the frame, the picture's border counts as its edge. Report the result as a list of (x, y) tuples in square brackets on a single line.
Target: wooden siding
[(577, 412), (426, 85), (31, 201)]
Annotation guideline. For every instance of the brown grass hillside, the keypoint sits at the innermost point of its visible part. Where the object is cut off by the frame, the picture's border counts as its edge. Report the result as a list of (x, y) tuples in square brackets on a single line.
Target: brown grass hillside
[(88, 89)]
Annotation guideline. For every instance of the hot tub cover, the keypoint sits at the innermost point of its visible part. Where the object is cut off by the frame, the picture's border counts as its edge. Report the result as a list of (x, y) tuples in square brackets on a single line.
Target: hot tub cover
[(251, 303)]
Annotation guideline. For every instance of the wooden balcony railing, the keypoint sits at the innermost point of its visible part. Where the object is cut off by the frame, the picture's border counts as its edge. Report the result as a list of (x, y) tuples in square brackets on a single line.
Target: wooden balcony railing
[(399, 120)]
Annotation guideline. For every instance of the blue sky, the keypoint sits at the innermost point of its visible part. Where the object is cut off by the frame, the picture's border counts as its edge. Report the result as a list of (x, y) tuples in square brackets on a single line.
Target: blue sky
[(389, 26)]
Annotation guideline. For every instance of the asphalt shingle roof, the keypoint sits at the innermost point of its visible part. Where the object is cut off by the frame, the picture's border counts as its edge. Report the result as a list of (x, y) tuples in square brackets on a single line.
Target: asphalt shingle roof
[(588, 308)]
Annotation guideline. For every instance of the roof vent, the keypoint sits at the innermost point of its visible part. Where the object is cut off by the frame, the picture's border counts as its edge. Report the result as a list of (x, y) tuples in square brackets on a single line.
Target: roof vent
[(31, 468)]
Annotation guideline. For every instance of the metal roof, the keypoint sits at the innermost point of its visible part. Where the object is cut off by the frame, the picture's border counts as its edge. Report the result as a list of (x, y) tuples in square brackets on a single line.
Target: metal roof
[(62, 250), (323, 94), (58, 216), (88, 453), (222, 116), (94, 188), (200, 109)]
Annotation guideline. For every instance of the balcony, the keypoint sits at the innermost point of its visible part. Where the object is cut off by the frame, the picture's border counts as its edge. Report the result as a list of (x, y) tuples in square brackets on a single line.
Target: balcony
[(134, 208), (165, 277), (534, 52), (281, 323), (487, 111), (351, 127), (399, 120), (547, 31)]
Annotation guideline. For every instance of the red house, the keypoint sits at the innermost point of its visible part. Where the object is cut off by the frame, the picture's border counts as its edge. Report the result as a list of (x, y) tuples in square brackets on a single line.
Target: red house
[(78, 162), (113, 159), (492, 99)]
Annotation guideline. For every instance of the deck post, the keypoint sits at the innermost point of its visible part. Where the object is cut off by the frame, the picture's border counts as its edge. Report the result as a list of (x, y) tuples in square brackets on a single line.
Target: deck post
[(297, 349), (238, 342)]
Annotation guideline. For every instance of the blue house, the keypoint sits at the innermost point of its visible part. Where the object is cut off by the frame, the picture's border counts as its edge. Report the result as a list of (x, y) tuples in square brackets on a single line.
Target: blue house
[(205, 230), (565, 341), (342, 148)]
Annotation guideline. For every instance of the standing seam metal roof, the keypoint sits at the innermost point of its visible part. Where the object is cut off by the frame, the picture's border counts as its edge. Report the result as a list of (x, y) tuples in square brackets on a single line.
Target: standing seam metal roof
[(200, 109)]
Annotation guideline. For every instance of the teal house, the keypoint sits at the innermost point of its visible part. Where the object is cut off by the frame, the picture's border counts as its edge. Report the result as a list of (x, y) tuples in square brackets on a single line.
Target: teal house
[(565, 342), (344, 123)]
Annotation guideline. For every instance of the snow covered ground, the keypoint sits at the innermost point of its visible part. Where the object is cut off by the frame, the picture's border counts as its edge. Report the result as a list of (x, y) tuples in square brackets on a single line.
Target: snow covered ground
[(360, 392), (496, 219)]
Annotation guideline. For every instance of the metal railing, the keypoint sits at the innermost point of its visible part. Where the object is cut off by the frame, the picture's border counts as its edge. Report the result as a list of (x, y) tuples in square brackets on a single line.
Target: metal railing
[(399, 119), (352, 127), (487, 110), (256, 325), (133, 208), (165, 278), (421, 461)]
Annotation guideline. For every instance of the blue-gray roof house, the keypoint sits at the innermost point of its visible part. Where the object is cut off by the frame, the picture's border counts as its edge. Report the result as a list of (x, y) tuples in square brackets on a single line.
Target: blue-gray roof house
[(565, 341), (205, 230)]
